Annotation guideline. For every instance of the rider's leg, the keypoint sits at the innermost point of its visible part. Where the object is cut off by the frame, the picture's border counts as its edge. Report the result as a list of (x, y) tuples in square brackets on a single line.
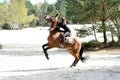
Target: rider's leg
[(62, 38), (67, 34)]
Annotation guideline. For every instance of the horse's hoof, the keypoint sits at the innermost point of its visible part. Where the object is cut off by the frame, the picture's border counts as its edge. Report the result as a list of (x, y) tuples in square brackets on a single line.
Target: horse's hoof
[(72, 66), (47, 58)]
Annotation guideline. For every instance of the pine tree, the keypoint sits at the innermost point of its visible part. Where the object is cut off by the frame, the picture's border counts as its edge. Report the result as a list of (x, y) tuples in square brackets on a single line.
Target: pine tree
[(61, 7), (52, 9), (30, 7)]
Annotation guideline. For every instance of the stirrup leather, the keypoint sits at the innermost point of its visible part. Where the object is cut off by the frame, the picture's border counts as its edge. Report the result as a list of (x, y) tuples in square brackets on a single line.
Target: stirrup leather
[(62, 40)]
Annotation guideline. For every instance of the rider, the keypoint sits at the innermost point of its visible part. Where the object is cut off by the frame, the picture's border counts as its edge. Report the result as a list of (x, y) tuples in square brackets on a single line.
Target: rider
[(65, 32)]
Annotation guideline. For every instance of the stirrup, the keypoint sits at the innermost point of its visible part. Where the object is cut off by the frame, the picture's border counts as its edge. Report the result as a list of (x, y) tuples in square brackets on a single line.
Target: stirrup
[(61, 45)]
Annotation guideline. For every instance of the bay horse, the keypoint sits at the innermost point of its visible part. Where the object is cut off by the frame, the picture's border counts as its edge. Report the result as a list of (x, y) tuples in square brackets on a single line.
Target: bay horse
[(73, 48)]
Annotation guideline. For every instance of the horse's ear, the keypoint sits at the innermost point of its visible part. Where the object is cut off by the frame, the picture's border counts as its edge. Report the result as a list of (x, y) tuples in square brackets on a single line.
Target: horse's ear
[(56, 15), (44, 17)]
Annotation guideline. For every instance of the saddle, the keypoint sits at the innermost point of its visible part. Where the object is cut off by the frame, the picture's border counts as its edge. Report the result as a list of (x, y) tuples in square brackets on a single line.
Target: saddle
[(65, 38)]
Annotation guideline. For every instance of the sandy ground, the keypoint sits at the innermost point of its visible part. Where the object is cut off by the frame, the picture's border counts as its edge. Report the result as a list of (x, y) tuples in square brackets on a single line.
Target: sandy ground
[(22, 58), (27, 62)]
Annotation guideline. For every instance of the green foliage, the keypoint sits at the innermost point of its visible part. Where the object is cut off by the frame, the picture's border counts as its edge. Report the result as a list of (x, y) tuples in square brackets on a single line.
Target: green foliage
[(93, 11), (61, 7), (22, 13), (83, 32), (95, 45), (113, 44), (92, 45), (0, 46), (30, 7), (15, 13), (73, 10), (3, 13), (6, 26), (41, 11), (19, 12), (51, 9)]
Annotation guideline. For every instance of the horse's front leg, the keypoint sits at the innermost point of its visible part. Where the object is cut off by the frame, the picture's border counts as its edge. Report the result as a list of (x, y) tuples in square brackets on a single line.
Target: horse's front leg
[(75, 62), (76, 56), (45, 48), (46, 54)]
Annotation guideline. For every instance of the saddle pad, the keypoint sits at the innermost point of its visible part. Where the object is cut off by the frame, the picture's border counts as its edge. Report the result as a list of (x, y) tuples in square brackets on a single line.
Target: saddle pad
[(68, 39)]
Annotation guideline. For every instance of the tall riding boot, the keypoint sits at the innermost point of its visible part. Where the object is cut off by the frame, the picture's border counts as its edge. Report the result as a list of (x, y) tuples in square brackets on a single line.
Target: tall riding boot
[(62, 41)]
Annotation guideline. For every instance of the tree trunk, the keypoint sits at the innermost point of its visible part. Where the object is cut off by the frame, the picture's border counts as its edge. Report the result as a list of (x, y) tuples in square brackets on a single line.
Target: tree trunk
[(112, 35), (118, 32), (94, 32), (115, 21), (104, 32)]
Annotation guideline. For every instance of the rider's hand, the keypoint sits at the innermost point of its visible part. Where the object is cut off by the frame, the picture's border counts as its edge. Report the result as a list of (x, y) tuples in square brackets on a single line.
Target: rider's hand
[(51, 29)]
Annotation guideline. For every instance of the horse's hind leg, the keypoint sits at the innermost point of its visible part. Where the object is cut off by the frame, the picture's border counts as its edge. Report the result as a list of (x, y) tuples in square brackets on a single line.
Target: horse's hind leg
[(45, 50), (44, 45), (76, 56), (75, 62), (46, 54)]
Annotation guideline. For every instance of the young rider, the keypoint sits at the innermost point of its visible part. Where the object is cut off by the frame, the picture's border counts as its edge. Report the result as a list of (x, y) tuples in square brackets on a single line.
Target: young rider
[(66, 31)]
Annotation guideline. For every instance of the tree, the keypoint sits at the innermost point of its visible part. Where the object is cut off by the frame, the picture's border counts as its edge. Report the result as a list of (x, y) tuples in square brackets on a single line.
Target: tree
[(41, 11), (106, 12), (61, 7), (30, 7), (51, 9), (93, 11), (18, 13), (90, 14), (3, 13), (115, 17), (15, 14), (83, 32)]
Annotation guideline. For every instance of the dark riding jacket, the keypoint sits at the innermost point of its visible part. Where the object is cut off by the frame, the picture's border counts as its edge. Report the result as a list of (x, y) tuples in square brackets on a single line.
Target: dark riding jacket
[(63, 26)]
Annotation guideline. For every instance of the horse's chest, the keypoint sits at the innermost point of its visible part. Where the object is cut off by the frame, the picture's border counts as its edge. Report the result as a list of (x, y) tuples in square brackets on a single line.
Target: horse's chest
[(52, 38)]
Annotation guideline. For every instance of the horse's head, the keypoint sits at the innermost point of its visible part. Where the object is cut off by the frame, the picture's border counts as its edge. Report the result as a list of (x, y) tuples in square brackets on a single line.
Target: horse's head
[(51, 18)]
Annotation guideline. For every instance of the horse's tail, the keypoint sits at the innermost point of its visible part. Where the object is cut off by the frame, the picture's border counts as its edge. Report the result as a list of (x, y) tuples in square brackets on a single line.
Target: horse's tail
[(81, 54)]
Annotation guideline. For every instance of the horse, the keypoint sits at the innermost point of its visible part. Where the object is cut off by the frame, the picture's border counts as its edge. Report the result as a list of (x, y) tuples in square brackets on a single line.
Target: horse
[(74, 48)]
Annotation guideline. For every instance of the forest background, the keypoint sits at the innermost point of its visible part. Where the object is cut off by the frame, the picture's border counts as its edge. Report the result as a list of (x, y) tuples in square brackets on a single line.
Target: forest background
[(103, 15)]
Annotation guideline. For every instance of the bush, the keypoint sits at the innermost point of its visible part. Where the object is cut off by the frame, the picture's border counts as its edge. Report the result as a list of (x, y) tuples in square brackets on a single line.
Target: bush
[(0, 46), (6, 26), (114, 44), (92, 45), (95, 45)]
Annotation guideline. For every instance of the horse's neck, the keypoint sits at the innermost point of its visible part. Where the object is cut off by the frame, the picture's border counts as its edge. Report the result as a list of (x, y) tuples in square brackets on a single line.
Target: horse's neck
[(53, 25)]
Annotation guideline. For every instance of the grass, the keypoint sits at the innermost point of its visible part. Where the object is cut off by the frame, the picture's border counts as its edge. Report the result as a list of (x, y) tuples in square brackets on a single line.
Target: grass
[(95, 45), (0, 46)]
